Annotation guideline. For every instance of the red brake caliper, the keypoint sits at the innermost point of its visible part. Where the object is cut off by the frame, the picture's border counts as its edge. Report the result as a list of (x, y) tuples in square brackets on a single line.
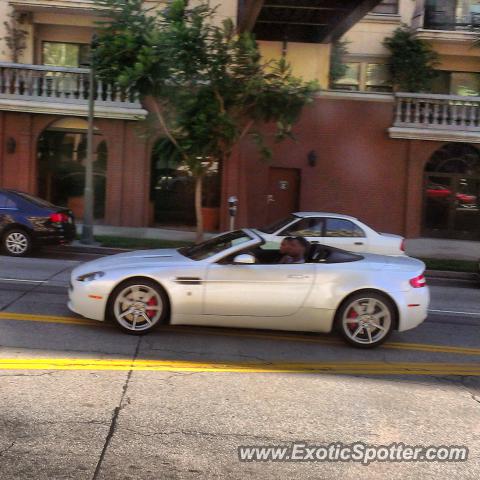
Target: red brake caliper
[(352, 323), (152, 302)]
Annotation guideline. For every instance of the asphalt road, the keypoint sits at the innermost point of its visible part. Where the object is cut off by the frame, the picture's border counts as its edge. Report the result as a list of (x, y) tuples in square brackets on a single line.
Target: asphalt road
[(81, 400)]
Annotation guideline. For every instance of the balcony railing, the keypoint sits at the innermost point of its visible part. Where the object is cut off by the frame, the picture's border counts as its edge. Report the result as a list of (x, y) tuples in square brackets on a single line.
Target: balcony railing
[(441, 19), (59, 85), (440, 112)]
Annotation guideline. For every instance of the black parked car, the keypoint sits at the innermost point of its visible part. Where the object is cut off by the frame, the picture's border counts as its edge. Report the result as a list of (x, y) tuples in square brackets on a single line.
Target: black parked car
[(27, 222)]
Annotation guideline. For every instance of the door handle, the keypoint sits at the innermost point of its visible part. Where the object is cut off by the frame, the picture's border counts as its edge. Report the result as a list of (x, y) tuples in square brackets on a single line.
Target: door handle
[(298, 276), (358, 243)]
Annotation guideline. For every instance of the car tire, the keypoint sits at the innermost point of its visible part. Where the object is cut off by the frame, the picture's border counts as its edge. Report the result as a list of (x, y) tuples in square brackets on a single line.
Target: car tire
[(366, 319), (17, 243), (138, 306)]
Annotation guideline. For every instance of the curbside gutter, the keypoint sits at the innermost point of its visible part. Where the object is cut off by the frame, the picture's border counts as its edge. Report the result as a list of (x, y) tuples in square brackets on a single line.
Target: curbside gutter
[(447, 275)]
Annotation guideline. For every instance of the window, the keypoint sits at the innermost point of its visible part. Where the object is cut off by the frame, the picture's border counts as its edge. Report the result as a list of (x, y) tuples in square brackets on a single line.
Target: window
[(465, 83), (215, 245), (39, 202), (386, 7), (274, 227), (307, 227), (378, 78), (5, 202), (338, 227), (58, 54), (351, 79), (457, 83), (365, 77)]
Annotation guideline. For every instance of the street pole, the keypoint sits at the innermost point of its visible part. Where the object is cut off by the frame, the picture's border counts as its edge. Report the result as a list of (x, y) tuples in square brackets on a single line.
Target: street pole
[(87, 229)]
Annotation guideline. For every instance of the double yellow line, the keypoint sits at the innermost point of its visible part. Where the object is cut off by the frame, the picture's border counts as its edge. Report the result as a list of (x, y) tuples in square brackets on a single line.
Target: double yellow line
[(419, 347), (348, 368)]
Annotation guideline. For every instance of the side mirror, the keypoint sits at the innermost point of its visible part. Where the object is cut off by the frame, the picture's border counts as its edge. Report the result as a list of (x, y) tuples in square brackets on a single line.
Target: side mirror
[(244, 259)]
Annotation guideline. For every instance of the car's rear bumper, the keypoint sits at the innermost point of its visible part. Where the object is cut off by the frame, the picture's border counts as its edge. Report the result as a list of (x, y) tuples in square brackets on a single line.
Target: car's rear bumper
[(55, 236), (412, 307)]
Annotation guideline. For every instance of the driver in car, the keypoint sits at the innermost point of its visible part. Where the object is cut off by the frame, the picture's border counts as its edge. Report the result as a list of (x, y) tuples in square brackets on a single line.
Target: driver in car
[(295, 250)]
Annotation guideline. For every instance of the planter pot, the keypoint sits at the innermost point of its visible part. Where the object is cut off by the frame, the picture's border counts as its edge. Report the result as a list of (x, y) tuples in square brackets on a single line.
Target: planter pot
[(211, 218), (77, 206)]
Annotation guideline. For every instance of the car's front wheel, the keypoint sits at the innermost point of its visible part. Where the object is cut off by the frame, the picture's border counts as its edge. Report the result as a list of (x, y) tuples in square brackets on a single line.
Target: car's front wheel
[(366, 319), (138, 306), (17, 243)]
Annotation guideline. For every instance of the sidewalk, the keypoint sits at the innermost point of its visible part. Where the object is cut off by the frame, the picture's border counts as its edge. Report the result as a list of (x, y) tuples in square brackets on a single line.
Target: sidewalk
[(443, 249), (145, 233), (416, 247)]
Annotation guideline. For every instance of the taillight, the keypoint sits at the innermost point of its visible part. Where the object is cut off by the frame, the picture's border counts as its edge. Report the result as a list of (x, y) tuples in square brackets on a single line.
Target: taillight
[(418, 282), (402, 245), (58, 217)]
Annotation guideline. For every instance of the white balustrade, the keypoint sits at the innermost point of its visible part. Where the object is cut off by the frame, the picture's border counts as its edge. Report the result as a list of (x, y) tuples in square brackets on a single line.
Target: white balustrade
[(59, 84), (444, 112)]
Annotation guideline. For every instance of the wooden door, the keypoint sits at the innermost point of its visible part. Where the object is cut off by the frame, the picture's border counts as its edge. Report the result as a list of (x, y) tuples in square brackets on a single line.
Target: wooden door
[(283, 192)]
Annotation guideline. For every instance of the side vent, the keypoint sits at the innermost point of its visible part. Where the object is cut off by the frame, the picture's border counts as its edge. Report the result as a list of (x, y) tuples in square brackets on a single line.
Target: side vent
[(189, 280)]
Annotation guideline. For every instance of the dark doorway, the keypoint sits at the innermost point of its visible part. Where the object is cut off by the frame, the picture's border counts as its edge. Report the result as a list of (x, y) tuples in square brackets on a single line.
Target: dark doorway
[(452, 193), (283, 192), (172, 189), (61, 154)]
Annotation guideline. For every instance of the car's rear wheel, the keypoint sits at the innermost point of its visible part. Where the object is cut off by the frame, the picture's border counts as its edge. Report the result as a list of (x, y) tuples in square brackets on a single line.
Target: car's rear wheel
[(138, 306), (17, 243), (366, 319)]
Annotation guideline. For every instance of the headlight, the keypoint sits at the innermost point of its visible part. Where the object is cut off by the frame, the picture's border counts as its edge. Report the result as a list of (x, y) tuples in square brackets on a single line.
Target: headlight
[(88, 277)]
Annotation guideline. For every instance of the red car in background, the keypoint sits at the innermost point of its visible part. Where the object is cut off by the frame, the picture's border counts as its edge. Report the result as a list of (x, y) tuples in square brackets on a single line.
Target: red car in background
[(440, 191)]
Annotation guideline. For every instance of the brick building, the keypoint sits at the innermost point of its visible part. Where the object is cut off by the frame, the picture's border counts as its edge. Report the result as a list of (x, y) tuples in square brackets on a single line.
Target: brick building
[(405, 163)]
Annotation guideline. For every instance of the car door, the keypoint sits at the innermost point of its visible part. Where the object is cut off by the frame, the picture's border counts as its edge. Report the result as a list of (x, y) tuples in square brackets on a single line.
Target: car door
[(343, 233), (257, 290)]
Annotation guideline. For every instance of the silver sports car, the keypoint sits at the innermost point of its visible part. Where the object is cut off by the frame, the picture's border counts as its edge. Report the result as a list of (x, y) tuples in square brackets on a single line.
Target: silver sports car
[(230, 281)]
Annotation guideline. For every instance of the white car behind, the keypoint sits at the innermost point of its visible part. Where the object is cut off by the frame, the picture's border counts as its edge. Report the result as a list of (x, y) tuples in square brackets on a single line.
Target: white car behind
[(335, 230)]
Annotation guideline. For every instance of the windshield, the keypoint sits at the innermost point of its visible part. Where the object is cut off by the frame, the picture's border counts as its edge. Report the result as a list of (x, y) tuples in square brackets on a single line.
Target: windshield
[(279, 224), (39, 202), (215, 245)]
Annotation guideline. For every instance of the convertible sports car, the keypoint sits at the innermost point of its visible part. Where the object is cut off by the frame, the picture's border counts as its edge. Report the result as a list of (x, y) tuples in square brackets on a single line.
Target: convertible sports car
[(231, 281)]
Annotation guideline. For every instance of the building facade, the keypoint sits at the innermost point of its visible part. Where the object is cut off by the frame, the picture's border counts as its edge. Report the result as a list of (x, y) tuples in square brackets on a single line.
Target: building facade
[(403, 162)]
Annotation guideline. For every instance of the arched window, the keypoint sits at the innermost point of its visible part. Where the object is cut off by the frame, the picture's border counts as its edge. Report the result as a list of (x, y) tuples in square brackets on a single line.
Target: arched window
[(452, 192)]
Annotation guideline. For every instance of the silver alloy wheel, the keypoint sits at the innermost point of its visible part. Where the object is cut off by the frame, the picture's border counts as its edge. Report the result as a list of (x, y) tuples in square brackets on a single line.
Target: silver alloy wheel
[(16, 243), (138, 307), (366, 321)]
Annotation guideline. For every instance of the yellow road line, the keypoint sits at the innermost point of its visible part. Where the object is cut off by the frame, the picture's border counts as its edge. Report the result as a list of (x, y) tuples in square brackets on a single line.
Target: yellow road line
[(28, 317), (357, 368), (425, 347), (420, 347)]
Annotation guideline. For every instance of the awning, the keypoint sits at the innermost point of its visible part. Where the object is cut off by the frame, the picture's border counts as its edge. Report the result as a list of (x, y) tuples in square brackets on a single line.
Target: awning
[(307, 21)]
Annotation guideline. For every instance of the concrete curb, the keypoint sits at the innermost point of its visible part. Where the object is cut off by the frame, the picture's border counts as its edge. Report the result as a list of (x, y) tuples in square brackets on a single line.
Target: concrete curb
[(471, 277), (93, 249)]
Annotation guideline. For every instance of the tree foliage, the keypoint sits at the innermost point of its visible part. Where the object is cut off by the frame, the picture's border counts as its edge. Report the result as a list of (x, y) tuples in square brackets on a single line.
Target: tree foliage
[(207, 84), (16, 35), (338, 67), (412, 61)]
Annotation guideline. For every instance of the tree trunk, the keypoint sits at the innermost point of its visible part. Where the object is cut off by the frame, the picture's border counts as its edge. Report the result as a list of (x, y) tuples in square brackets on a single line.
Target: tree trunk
[(198, 207)]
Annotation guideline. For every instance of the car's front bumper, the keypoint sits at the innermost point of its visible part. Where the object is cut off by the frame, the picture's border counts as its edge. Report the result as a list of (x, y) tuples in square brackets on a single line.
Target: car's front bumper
[(87, 299)]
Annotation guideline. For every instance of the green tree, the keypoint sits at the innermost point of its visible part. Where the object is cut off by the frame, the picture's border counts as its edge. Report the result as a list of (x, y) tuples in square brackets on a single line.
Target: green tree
[(338, 67), (206, 84), (412, 61)]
